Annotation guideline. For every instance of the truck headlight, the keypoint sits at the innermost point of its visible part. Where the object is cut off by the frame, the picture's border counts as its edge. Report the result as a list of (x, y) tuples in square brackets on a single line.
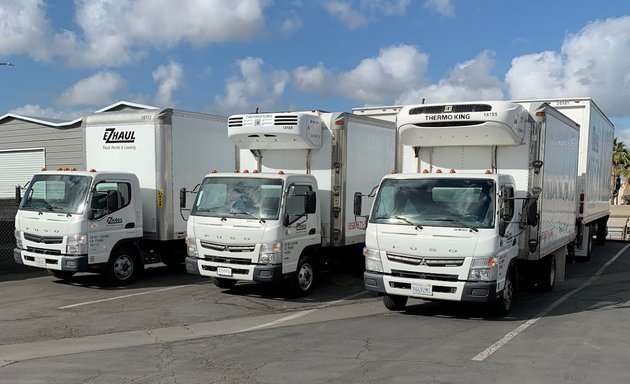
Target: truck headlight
[(191, 246), (18, 239), (76, 245), (270, 253), (372, 260), (483, 269)]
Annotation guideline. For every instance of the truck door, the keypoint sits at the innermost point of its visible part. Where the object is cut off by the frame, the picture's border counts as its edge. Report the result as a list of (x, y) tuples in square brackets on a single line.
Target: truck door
[(112, 218), (302, 228), (509, 230)]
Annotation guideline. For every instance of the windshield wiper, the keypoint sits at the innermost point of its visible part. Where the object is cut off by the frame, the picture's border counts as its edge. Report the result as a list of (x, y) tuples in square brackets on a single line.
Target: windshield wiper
[(260, 219), (474, 229), (406, 220)]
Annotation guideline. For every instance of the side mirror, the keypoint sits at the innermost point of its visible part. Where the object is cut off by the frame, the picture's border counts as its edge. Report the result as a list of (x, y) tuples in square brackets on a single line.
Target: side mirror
[(358, 198), (18, 194), (182, 198), (311, 202), (285, 220), (532, 213)]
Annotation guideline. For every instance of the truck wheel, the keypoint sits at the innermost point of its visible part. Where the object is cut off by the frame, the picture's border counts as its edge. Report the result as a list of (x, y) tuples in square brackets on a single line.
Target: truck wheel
[(224, 283), (395, 302), (601, 231), (123, 266), (503, 305), (548, 275), (63, 275), (304, 277), (589, 247)]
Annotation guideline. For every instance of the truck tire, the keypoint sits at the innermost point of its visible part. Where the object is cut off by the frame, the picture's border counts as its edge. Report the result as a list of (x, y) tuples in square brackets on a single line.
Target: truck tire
[(62, 275), (304, 279), (123, 266), (602, 230), (548, 276), (224, 283), (589, 247), (395, 302), (503, 305)]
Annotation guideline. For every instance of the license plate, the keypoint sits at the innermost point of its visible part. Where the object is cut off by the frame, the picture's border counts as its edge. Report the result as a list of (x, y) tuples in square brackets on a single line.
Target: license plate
[(224, 271), (421, 289), (40, 261)]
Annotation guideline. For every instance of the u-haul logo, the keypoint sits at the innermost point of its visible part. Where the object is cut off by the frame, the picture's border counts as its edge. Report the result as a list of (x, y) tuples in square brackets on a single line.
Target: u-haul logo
[(113, 136)]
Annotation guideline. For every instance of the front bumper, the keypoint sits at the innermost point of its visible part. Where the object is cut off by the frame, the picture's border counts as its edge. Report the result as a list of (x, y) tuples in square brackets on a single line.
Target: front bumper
[(441, 290), (246, 272), (56, 262)]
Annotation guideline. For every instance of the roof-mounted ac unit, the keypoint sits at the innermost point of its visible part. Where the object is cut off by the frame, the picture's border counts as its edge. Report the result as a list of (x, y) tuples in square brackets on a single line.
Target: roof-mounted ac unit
[(276, 131)]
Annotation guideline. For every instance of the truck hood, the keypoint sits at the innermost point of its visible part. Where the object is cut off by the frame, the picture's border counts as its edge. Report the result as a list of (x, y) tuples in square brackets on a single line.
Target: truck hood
[(429, 241), (230, 231), (46, 223)]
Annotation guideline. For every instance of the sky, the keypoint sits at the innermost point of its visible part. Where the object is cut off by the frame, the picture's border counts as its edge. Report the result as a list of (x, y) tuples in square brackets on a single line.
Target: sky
[(73, 57)]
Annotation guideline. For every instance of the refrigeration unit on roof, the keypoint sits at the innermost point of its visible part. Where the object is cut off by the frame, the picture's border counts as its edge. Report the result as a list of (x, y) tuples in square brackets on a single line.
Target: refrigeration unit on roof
[(276, 131)]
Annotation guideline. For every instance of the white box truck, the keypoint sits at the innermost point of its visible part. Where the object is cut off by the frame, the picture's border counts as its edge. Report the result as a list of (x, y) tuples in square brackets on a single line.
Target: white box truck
[(290, 204), (123, 212), (595, 186), (487, 190)]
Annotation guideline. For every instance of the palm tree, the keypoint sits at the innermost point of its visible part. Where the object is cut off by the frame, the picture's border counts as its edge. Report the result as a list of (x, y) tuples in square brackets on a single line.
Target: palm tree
[(620, 165)]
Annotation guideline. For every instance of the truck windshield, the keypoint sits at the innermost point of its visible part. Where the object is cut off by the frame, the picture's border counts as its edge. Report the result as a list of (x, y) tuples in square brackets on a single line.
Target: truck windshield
[(242, 198), (57, 193), (436, 202)]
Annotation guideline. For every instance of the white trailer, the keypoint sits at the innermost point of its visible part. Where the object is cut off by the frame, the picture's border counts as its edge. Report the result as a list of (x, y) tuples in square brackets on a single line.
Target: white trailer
[(123, 212), (595, 186), (488, 190), (290, 203)]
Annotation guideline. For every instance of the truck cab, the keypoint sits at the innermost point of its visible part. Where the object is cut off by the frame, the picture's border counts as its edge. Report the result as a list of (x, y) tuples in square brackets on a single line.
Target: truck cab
[(445, 236), (258, 227), (76, 221)]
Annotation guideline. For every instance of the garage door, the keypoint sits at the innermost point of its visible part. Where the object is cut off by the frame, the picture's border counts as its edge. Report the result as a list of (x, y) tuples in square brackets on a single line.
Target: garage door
[(17, 167)]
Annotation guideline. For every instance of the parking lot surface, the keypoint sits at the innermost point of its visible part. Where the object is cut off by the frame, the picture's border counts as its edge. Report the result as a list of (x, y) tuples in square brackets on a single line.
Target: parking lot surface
[(171, 327)]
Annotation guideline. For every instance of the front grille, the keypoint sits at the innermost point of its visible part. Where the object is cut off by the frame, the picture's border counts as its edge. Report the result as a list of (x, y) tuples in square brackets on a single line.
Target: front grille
[(43, 239), (424, 276), (228, 248), (435, 109), (43, 251), (227, 260), (428, 261)]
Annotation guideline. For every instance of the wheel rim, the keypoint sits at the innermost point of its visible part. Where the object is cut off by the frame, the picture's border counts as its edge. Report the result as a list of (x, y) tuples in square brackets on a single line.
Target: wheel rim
[(305, 277), (552, 271), (123, 267)]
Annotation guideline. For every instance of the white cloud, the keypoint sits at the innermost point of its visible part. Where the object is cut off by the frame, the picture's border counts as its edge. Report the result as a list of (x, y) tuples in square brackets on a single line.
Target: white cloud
[(374, 80), (170, 78), (253, 87), (291, 24), (346, 13), (98, 89), (314, 80), (24, 28), (386, 76), (357, 14), (593, 62), (470, 80), (443, 7), (114, 33)]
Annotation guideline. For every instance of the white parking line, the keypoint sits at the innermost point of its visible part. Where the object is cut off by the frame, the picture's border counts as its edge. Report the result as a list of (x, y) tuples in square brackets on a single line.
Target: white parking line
[(302, 313), (494, 347), (120, 297)]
